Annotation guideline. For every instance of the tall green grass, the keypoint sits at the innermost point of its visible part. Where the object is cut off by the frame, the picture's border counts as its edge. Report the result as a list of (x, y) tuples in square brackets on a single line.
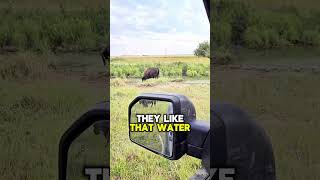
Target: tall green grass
[(175, 69), (243, 23), (40, 30)]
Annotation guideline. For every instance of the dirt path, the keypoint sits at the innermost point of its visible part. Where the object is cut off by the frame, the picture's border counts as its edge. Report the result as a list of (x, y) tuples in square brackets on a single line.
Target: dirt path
[(272, 68)]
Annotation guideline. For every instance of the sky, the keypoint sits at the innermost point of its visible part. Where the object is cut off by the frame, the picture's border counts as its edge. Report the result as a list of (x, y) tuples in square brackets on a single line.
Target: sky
[(157, 27)]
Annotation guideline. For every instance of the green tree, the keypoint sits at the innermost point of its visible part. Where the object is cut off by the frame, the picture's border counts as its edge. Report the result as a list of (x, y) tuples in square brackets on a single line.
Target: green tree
[(203, 49)]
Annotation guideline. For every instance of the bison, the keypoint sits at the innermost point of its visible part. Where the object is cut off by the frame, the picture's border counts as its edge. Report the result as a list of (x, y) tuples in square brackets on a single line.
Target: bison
[(101, 127), (151, 73), (105, 55), (146, 102)]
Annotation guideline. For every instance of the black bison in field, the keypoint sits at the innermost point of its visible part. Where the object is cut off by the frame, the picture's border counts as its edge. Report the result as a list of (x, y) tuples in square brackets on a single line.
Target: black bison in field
[(151, 73), (105, 55), (146, 102), (101, 127)]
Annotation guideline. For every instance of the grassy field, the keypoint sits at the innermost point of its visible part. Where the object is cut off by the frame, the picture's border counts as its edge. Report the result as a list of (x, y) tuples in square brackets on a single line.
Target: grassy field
[(271, 46), (286, 104), (129, 161), (284, 101), (262, 25), (273, 52), (159, 59), (38, 103), (36, 110), (169, 66)]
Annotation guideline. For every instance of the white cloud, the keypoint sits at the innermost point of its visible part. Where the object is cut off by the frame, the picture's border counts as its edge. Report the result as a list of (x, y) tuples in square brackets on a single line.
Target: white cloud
[(168, 26)]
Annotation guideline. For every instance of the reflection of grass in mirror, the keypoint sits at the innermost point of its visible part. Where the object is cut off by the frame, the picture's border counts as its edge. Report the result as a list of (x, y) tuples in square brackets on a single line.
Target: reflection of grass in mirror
[(88, 149), (150, 140)]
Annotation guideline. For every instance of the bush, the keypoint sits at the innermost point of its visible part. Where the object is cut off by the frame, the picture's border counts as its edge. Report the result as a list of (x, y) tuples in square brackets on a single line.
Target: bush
[(252, 37), (311, 37), (257, 38), (41, 31), (203, 50), (221, 34), (242, 23), (222, 56), (5, 34)]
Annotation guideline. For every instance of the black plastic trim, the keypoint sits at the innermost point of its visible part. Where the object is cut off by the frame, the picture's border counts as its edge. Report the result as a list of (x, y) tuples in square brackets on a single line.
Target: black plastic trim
[(97, 113)]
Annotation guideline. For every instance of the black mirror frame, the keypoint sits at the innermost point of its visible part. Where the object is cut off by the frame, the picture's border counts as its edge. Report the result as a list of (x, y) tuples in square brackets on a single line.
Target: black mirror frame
[(179, 139), (99, 112)]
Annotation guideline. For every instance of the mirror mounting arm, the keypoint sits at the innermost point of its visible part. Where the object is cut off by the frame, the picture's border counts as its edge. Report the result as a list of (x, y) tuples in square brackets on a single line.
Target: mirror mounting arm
[(196, 138)]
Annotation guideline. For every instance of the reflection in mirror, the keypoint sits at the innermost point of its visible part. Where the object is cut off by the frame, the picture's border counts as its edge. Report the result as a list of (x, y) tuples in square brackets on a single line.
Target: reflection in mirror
[(90, 149), (161, 142)]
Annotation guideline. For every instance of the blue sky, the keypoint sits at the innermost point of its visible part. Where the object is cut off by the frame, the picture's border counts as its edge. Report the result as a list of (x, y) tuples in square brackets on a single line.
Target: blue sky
[(157, 27)]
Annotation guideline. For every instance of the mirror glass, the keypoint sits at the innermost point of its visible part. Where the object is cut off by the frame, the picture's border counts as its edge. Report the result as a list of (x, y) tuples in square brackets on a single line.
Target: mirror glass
[(160, 142), (89, 149)]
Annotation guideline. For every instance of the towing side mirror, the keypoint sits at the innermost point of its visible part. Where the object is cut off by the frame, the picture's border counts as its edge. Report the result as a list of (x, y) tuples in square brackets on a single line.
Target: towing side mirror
[(173, 144), (85, 144)]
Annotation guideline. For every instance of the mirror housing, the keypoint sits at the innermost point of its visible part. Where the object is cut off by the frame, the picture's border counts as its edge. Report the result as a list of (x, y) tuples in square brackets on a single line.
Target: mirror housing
[(238, 141), (97, 113), (181, 105)]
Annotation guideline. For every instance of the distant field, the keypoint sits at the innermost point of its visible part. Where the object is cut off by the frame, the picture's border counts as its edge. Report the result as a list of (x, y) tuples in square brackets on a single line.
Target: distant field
[(128, 161), (170, 66), (159, 59)]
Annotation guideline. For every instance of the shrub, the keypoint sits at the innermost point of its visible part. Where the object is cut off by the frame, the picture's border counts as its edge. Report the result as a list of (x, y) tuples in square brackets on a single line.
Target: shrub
[(5, 34), (253, 38), (203, 50), (221, 34), (311, 37), (243, 23), (222, 56), (257, 38), (41, 31)]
